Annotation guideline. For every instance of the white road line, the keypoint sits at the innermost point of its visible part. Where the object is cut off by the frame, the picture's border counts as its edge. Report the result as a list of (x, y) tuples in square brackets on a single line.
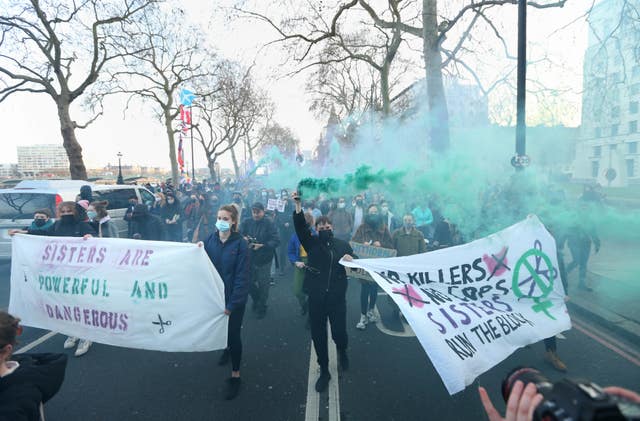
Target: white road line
[(406, 333), (312, 410), (334, 388), (35, 343)]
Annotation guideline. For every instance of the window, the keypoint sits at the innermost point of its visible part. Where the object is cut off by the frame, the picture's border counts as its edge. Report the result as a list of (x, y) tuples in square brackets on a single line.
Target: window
[(597, 151), (615, 111), (22, 205), (614, 129), (633, 147), (634, 89), (630, 168), (595, 169), (616, 77), (635, 71), (613, 147), (147, 198), (633, 107), (633, 126), (598, 132), (118, 198)]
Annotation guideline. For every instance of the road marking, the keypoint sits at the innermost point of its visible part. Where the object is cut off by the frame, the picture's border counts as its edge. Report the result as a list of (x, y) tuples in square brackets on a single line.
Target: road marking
[(312, 410), (607, 342), (334, 387), (406, 333), (35, 343)]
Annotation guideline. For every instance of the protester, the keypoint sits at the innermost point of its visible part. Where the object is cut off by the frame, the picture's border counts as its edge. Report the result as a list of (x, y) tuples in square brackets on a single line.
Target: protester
[(285, 228), (357, 212), (27, 381), (229, 253), (372, 232), (67, 225), (171, 217), (145, 226), (42, 223), (325, 283), (388, 217), (298, 257), (263, 239), (83, 199), (100, 220), (128, 214), (342, 220), (424, 220), (159, 203)]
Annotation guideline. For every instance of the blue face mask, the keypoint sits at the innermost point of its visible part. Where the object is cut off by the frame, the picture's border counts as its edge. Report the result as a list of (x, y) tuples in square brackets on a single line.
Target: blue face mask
[(92, 214), (223, 226)]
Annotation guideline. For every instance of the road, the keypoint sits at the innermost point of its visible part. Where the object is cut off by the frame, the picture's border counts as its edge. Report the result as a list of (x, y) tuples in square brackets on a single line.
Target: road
[(390, 377)]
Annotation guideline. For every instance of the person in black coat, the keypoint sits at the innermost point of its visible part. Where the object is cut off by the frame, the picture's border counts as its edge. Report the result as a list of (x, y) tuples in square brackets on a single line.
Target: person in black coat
[(263, 239), (26, 381), (145, 226), (325, 283), (172, 218)]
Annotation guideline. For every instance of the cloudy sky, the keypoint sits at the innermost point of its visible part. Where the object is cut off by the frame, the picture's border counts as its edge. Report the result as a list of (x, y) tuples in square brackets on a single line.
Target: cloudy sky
[(33, 120)]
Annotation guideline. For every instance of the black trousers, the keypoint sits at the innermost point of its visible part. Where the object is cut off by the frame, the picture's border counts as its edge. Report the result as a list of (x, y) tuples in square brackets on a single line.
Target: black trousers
[(234, 342), (334, 309)]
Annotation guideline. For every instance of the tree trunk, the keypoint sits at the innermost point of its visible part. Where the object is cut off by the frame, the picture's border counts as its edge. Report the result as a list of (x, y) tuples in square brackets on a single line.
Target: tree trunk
[(175, 175), (77, 170), (211, 164), (384, 90), (236, 167), (439, 114)]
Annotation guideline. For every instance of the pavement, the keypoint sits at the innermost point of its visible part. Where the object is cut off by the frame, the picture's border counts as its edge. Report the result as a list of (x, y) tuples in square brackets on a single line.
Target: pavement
[(614, 275)]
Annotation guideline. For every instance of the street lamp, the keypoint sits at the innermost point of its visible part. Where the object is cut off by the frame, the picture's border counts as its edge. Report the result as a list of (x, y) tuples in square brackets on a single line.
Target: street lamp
[(120, 180)]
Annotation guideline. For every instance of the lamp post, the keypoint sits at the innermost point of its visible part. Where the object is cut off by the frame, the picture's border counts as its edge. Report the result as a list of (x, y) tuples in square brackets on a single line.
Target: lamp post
[(520, 160), (120, 180)]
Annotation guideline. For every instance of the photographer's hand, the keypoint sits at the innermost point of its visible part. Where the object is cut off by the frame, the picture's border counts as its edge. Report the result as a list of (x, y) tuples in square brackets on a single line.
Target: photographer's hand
[(623, 393), (521, 404)]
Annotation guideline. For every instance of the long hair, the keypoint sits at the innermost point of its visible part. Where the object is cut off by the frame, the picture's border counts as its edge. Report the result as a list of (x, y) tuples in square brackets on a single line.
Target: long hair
[(101, 208), (234, 215), (9, 327), (69, 205)]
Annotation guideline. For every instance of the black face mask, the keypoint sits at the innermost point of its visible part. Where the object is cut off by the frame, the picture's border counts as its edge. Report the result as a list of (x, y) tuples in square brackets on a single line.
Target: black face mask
[(39, 222), (373, 220), (325, 235), (67, 219)]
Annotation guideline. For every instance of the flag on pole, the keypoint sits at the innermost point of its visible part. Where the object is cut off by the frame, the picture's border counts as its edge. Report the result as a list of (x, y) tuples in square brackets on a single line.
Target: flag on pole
[(186, 97)]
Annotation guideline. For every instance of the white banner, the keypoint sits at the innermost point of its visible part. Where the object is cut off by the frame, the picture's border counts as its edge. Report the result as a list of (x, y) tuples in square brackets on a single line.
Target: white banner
[(473, 305), (136, 294)]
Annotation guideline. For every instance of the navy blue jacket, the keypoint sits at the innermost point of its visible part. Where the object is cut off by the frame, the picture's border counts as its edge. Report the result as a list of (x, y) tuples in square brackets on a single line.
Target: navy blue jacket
[(231, 260)]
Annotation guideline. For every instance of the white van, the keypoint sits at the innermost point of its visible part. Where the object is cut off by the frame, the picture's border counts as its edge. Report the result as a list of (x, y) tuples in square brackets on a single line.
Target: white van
[(18, 204)]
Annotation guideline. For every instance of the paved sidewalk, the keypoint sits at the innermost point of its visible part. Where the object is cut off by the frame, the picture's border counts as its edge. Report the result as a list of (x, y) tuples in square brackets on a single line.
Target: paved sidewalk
[(614, 275)]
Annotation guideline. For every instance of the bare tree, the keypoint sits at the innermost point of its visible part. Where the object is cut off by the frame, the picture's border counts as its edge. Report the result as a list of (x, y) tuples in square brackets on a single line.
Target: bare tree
[(229, 113), (275, 135), (61, 50), (158, 61)]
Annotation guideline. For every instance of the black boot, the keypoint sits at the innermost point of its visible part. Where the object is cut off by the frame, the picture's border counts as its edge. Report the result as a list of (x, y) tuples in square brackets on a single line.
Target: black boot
[(323, 380), (233, 388), (225, 357)]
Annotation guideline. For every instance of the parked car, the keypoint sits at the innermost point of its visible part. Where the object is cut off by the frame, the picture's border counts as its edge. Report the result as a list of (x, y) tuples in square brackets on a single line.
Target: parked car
[(18, 204)]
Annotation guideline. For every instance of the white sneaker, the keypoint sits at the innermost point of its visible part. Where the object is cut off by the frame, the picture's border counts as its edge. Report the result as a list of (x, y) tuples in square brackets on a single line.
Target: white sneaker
[(371, 316), (70, 342), (83, 347), (362, 324)]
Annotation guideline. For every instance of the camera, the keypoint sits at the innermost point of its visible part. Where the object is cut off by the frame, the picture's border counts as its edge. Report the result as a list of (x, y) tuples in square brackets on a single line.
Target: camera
[(251, 240), (571, 399)]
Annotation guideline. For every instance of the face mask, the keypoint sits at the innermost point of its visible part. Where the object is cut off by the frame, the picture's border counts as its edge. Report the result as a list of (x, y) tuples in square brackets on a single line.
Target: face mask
[(341, 205), (223, 226), (408, 225), (359, 202), (325, 235), (92, 214), (384, 209), (237, 200), (39, 222), (170, 201), (67, 219)]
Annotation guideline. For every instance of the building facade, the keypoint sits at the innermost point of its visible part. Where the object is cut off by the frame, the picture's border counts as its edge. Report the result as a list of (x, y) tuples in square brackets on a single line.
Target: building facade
[(607, 150), (8, 170), (35, 160)]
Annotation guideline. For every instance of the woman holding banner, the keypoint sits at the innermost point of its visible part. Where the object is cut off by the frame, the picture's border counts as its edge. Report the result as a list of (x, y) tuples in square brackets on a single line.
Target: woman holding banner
[(229, 253)]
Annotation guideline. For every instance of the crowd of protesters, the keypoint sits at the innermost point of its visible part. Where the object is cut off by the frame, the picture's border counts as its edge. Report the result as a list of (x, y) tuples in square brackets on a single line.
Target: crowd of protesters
[(255, 235)]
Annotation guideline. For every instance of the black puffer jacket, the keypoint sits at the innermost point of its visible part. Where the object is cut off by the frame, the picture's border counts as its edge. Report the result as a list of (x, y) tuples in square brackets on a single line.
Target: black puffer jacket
[(331, 277), (264, 232), (37, 379)]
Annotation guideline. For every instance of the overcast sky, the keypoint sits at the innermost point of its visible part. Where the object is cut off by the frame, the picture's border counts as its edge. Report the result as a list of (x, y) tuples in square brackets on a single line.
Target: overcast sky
[(32, 119)]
